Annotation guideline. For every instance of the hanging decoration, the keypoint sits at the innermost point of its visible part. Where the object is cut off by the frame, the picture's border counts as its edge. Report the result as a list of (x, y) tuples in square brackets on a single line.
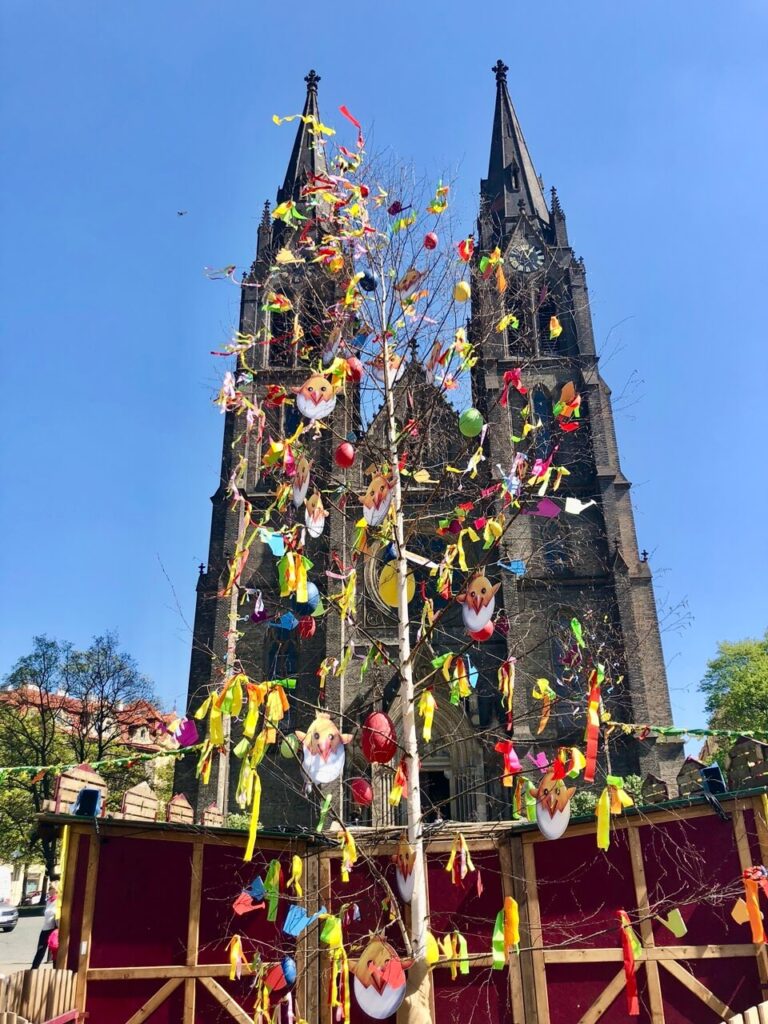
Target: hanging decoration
[(404, 861), (478, 603), (553, 801), (379, 979), (323, 757)]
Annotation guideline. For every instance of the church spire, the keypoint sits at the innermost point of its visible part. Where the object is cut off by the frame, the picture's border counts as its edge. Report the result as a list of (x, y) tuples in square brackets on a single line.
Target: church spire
[(512, 184), (307, 155)]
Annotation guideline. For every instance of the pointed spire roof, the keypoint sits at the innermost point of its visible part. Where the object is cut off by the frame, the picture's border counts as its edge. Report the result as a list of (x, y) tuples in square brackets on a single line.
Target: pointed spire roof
[(306, 157), (512, 184)]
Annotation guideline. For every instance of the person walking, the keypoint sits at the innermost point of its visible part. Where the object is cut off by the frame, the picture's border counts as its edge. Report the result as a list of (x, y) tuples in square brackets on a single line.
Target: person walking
[(49, 925)]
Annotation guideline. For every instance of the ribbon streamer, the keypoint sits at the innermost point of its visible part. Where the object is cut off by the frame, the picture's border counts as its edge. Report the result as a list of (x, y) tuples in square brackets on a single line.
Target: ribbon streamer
[(631, 949)]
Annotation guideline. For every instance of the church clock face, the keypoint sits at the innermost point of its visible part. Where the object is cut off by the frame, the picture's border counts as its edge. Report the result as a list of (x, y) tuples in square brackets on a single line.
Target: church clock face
[(525, 257)]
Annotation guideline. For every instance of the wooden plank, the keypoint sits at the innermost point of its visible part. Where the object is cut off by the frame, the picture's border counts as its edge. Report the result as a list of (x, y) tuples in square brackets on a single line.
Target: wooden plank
[(646, 925), (597, 955), (154, 1001), (604, 1000), (537, 939), (712, 952), (176, 971), (516, 999), (760, 809), (89, 902), (745, 860), (324, 971), (193, 928), (225, 999), (308, 955), (695, 986), (68, 871), (520, 891), (649, 817)]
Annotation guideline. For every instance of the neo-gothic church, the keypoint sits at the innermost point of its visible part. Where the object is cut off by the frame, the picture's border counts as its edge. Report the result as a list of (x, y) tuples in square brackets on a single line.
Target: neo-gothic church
[(585, 566)]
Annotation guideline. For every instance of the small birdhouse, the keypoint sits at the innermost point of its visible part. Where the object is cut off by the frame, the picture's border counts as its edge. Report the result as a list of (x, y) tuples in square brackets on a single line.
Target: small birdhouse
[(689, 777), (654, 790), (746, 764)]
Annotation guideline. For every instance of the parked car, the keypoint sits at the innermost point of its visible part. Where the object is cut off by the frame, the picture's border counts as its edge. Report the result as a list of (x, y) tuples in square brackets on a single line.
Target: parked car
[(9, 916), (32, 898)]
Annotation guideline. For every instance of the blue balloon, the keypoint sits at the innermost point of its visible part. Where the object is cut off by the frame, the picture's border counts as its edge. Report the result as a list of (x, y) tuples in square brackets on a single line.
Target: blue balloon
[(313, 600), (285, 623), (369, 282), (389, 553)]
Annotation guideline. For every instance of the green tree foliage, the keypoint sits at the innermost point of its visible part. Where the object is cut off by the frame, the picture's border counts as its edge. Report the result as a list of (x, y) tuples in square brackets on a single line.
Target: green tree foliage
[(736, 685), (62, 706)]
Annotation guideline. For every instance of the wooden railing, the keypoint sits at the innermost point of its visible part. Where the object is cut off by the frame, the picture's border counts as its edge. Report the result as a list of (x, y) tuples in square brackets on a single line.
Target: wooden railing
[(38, 997), (757, 1015)]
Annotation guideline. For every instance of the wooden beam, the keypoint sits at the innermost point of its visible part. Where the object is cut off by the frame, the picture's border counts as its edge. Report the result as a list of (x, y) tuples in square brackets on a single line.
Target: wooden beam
[(608, 954), (520, 891), (646, 925), (760, 808), (695, 986), (154, 1001), (598, 955), (746, 860), (516, 1000), (225, 999), (177, 971), (604, 1000), (324, 971), (89, 902), (629, 821), (69, 867), (193, 927), (537, 939)]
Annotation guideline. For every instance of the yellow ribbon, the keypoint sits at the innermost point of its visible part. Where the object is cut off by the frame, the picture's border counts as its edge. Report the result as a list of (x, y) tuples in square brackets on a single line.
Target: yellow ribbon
[(236, 957), (253, 826), (613, 800), (348, 854), (543, 691), (427, 707), (294, 879), (466, 532)]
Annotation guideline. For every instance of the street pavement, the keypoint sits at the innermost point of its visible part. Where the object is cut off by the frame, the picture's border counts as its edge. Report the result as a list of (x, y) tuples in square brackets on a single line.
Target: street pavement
[(17, 948)]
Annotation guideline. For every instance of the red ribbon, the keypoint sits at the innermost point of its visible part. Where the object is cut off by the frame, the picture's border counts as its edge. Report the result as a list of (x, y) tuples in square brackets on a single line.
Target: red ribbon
[(633, 1003), (345, 113), (593, 727), (512, 379)]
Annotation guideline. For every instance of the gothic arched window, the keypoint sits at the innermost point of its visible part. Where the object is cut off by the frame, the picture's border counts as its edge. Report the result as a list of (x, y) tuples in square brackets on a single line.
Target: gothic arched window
[(547, 345), (282, 351), (541, 412), (568, 674)]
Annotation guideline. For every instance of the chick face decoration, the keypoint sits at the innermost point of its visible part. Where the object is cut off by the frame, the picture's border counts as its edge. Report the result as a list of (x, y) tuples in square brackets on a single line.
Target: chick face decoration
[(379, 980), (316, 398), (404, 861), (397, 366), (323, 750), (301, 480), (377, 499), (553, 802), (315, 514), (478, 603)]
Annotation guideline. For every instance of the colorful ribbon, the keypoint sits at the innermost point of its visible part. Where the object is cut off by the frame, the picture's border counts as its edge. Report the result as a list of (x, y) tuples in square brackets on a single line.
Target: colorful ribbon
[(427, 707), (631, 948)]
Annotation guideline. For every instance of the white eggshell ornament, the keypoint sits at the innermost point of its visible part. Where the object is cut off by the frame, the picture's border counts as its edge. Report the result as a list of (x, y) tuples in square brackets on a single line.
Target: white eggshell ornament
[(553, 802)]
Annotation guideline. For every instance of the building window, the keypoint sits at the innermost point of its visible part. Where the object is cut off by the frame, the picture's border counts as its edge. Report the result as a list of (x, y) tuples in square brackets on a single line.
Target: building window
[(281, 659), (282, 351), (547, 345), (541, 412)]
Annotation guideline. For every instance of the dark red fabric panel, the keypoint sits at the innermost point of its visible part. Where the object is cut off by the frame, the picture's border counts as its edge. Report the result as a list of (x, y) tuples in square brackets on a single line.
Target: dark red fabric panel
[(142, 903), (688, 864), (581, 888), (481, 997), (459, 906), (573, 988), (110, 1002), (367, 891), (225, 875), (75, 891), (735, 981)]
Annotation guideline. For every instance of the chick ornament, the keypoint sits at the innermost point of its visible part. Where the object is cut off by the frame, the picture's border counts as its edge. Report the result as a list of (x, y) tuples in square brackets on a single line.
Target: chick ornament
[(478, 604), (377, 499), (404, 860), (553, 801), (379, 982), (323, 750), (300, 483), (315, 514), (316, 398)]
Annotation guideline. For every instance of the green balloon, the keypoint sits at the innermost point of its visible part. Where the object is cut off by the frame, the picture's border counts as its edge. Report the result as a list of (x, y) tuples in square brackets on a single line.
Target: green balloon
[(289, 747), (470, 422)]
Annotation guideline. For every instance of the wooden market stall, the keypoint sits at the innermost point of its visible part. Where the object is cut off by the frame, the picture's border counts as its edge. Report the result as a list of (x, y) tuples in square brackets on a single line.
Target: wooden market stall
[(148, 917)]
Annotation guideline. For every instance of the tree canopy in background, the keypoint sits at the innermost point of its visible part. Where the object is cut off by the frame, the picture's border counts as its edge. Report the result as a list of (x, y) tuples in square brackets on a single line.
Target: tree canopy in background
[(736, 685)]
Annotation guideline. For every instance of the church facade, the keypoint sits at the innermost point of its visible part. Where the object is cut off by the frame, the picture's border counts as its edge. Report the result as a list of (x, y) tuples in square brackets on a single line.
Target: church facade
[(584, 566)]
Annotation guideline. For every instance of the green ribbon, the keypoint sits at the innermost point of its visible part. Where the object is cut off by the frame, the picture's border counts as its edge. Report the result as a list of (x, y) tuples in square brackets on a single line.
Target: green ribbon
[(498, 951), (324, 808), (272, 889)]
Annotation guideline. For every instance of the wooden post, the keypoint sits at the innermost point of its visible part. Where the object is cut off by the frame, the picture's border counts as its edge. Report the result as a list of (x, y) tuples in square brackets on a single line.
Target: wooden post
[(324, 973), (516, 999), (89, 902), (537, 939), (193, 927), (520, 892), (67, 881), (646, 926)]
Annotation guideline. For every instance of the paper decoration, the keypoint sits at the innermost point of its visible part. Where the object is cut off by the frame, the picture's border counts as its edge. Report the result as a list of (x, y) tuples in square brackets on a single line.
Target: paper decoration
[(755, 878), (553, 802), (379, 980), (323, 753), (377, 499), (316, 398), (315, 515), (404, 860), (631, 948), (300, 483), (612, 801), (478, 603)]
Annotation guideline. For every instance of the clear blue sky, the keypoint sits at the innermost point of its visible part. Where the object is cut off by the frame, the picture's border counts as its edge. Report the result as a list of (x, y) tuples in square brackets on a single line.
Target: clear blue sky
[(649, 118)]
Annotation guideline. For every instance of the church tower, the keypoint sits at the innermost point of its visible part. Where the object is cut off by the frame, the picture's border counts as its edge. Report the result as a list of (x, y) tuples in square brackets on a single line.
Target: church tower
[(583, 565), (580, 556)]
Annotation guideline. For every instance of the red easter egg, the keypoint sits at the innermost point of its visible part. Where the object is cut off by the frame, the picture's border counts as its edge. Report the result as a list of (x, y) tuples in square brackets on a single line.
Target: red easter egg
[(483, 634), (364, 191), (307, 627), (344, 455), (430, 240), (378, 740), (355, 369), (362, 792)]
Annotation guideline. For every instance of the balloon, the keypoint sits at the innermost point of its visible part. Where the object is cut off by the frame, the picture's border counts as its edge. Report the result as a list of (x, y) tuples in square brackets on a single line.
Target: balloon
[(430, 240), (344, 455), (355, 369), (289, 747), (378, 740), (388, 585), (362, 792), (389, 552), (461, 292), (313, 600), (483, 634), (369, 282), (470, 422)]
